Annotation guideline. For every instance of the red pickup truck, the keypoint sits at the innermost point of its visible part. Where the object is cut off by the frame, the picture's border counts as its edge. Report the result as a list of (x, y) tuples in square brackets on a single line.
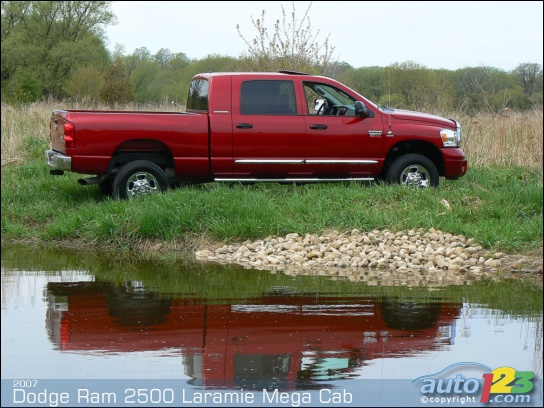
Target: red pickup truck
[(250, 127)]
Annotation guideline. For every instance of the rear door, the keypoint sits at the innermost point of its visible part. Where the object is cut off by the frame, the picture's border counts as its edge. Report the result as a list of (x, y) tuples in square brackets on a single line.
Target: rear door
[(269, 133)]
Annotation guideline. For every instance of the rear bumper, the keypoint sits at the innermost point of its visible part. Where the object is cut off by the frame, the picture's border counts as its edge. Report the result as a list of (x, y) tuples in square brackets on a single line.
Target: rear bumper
[(455, 162), (58, 161)]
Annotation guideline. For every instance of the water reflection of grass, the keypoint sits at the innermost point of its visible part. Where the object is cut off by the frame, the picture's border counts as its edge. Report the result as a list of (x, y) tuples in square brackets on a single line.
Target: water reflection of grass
[(216, 283)]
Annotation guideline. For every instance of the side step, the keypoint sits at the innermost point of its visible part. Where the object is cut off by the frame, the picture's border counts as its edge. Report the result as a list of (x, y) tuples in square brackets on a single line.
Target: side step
[(292, 180)]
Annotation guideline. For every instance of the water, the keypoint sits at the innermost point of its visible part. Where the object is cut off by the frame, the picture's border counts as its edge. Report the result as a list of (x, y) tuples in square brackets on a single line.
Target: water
[(70, 320)]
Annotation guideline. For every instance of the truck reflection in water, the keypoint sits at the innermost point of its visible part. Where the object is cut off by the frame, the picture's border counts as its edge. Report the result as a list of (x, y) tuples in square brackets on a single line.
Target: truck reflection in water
[(280, 340)]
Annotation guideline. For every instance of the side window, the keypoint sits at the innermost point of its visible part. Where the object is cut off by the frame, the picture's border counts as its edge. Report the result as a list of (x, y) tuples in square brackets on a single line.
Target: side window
[(313, 100), (323, 99), (198, 95), (268, 97)]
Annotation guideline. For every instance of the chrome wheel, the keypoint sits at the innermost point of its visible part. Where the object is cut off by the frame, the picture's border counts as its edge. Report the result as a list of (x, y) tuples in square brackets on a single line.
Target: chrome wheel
[(415, 176), (139, 178), (413, 170), (141, 183)]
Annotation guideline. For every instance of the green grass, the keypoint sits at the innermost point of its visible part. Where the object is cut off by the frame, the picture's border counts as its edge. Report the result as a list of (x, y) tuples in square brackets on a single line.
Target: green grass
[(501, 208)]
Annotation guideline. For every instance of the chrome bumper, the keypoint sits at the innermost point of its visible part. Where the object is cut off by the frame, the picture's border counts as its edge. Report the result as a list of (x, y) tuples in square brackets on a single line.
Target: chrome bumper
[(58, 161)]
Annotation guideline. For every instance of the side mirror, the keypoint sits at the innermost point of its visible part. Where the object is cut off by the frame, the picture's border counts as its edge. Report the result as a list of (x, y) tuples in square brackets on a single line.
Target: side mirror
[(361, 110), (318, 103)]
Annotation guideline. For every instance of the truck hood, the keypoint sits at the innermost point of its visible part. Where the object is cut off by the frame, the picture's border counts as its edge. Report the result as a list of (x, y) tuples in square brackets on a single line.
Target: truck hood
[(400, 114)]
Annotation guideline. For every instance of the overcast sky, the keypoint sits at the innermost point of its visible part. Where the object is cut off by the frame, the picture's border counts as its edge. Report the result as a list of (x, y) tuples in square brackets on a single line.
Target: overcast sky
[(436, 34)]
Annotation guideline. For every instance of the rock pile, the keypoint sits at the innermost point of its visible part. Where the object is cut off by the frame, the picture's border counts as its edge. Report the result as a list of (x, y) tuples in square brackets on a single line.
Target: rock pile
[(414, 257)]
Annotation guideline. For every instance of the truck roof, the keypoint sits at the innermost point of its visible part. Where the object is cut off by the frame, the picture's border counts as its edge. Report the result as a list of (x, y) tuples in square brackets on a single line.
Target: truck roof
[(255, 74)]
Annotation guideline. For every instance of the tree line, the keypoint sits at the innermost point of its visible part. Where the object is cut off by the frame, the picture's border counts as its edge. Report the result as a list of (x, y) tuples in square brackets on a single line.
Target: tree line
[(57, 49)]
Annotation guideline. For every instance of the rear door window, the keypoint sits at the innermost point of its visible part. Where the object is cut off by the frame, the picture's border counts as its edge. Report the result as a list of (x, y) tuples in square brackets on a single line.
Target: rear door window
[(268, 97)]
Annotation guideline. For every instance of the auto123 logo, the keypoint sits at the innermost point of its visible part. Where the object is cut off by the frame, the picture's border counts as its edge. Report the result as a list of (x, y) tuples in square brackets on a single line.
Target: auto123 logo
[(501, 385)]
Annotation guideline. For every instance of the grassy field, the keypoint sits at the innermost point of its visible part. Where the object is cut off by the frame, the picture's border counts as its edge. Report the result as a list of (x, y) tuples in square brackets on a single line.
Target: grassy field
[(498, 202)]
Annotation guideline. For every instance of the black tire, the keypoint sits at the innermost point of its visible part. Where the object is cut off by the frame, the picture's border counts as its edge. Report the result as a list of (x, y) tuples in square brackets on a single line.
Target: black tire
[(137, 178), (413, 170)]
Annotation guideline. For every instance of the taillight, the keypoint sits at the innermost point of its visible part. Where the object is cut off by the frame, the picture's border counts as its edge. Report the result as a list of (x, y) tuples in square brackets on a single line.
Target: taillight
[(69, 135)]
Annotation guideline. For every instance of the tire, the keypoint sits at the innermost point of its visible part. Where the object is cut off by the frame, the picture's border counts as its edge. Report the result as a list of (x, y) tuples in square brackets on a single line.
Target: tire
[(413, 170), (138, 178)]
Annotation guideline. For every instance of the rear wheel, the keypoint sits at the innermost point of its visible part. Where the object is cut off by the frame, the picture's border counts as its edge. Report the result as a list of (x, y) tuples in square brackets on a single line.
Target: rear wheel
[(413, 170), (138, 178)]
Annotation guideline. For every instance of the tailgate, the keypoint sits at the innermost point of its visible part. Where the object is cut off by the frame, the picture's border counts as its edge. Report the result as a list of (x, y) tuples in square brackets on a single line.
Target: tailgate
[(56, 131)]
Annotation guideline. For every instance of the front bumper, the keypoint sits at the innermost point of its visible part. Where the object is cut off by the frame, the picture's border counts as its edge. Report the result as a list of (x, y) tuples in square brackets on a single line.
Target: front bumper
[(58, 161), (455, 162)]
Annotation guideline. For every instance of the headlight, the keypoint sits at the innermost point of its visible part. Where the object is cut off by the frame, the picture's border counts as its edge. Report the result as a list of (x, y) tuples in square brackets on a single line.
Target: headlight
[(450, 138)]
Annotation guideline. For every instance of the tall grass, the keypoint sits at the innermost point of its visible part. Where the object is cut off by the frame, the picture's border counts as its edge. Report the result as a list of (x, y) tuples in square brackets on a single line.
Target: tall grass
[(508, 140)]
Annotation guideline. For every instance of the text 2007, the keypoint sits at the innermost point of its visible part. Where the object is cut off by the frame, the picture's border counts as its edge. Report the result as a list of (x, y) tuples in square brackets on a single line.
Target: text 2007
[(24, 383)]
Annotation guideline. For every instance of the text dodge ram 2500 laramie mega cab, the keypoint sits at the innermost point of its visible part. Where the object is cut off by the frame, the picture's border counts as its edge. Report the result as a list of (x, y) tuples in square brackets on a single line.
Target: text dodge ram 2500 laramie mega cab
[(249, 127)]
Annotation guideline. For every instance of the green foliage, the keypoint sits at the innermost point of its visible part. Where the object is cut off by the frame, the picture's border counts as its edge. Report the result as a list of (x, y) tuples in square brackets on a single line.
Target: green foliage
[(49, 40), (421, 89), (520, 99), (117, 87), (370, 82), (84, 84), (24, 87), (485, 89)]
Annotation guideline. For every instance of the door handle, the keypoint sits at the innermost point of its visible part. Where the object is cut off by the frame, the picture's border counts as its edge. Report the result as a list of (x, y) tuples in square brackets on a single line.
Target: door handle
[(318, 127), (244, 125)]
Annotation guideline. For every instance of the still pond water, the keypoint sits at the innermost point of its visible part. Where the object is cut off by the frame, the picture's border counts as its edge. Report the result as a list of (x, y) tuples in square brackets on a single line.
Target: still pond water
[(213, 327)]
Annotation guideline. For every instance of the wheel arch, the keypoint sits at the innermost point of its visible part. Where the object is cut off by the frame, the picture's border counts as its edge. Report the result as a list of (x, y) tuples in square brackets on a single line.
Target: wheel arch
[(426, 149), (143, 149)]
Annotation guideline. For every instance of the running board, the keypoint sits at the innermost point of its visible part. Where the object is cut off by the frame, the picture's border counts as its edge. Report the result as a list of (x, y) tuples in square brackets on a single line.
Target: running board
[(292, 180)]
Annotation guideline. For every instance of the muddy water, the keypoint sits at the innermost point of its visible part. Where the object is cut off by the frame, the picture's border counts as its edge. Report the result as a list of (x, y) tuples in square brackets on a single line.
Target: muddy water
[(213, 327)]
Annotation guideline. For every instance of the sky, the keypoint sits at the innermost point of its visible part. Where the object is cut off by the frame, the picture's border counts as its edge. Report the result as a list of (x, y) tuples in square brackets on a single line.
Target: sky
[(437, 34)]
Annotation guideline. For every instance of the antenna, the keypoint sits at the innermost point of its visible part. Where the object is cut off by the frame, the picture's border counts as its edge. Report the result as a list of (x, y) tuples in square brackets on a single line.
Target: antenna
[(389, 96), (389, 87)]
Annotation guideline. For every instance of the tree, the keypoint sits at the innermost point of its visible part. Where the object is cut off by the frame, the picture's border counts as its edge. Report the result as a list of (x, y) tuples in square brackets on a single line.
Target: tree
[(291, 46), (483, 89), (117, 86), (529, 75), (163, 57), (47, 40)]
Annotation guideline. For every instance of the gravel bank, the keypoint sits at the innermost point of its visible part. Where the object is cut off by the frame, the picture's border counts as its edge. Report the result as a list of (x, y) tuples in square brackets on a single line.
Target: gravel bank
[(415, 257)]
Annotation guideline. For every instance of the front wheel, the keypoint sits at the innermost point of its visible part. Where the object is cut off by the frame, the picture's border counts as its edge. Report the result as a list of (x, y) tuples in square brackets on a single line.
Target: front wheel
[(138, 178), (413, 170)]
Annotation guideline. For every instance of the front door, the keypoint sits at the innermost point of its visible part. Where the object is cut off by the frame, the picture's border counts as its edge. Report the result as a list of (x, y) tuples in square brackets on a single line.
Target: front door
[(340, 144)]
